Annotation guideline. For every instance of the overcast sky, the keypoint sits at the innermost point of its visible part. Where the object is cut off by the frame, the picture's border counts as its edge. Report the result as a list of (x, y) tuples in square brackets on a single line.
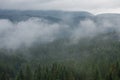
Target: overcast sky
[(94, 6)]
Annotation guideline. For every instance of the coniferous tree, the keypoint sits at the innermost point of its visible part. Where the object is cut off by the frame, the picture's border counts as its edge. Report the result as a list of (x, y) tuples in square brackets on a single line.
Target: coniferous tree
[(38, 74), (20, 76), (28, 73), (4, 76)]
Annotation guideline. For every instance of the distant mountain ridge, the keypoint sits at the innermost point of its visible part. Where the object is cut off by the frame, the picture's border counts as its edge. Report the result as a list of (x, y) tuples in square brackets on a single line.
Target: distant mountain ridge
[(23, 15), (72, 17)]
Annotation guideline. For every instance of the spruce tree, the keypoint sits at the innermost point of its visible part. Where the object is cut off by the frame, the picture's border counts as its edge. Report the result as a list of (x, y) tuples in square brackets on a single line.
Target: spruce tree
[(28, 73)]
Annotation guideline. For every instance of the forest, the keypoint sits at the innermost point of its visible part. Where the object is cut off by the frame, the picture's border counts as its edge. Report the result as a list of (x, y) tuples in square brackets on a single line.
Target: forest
[(90, 59), (59, 45)]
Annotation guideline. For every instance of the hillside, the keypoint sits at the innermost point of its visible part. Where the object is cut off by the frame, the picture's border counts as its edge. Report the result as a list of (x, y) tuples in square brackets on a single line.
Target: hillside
[(57, 45)]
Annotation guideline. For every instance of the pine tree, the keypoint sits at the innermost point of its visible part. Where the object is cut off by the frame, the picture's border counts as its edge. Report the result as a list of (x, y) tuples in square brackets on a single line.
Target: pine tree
[(28, 73), (96, 75), (54, 72), (70, 76), (38, 74), (20, 76), (4, 76)]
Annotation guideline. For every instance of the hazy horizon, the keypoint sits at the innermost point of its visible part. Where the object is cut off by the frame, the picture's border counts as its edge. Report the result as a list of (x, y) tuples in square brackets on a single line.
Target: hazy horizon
[(92, 6)]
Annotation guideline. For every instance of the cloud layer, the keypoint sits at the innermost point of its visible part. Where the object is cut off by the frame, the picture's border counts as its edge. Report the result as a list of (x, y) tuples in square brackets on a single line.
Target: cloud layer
[(35, 30), (95, 6), (25, 33)]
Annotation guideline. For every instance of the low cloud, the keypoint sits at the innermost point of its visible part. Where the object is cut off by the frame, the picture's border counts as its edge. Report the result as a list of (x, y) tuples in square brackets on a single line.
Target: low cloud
[(13, 35), (26, 33)]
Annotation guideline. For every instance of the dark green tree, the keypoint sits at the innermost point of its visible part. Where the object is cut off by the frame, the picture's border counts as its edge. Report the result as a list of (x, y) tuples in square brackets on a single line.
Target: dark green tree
[(4, 76), (38, 74), (28, 73), (20, 76)]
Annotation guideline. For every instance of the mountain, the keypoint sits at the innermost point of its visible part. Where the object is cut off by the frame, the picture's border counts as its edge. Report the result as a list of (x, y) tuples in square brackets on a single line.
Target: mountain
[(59, 45), (49, 15)]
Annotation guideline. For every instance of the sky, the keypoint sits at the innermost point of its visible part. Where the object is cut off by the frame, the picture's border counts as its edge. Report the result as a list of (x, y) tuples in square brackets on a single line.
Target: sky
[(93, 6)]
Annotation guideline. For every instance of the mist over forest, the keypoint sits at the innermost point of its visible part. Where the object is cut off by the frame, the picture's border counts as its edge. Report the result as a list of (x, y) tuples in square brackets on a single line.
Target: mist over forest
[(26, 28), (59, 45)]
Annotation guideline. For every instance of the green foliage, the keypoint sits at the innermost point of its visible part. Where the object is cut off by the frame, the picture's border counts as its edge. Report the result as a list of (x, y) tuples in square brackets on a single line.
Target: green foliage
[(90, 59), (4, 76), (28, 73), (20, 76), (62, 72)]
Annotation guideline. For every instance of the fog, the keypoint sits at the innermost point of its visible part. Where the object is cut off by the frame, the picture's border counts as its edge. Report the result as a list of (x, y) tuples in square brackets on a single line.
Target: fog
[(14, 35), (26, 33)]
